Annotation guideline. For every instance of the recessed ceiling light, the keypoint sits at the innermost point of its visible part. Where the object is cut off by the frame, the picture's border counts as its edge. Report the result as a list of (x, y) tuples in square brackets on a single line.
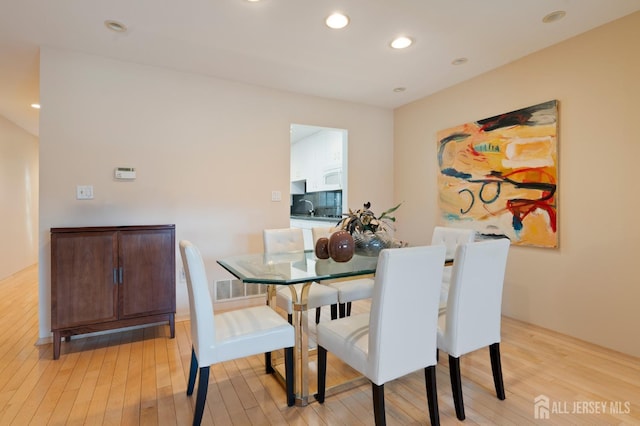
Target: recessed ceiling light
[(459, 61), (554, 16), (35, 106), (401, 42), (399, 89), (115, 26), (337, 21)]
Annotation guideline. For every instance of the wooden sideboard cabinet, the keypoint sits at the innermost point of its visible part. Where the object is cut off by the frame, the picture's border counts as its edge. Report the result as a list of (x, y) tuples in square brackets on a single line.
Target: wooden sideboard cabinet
[(104, 278)]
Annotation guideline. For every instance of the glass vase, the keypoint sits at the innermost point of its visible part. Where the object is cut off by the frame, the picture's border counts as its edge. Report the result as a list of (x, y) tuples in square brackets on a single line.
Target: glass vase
[(370, 244)]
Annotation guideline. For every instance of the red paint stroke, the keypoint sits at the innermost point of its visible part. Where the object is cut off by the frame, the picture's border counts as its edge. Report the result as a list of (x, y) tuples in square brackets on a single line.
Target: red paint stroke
[(521, 208)]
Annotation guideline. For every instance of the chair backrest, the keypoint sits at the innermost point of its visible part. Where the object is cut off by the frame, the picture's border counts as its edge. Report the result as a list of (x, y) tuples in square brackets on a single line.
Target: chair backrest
[(200, 307), (282, 240), (404, 312), (474, 305), (451, 238), (318, 232)]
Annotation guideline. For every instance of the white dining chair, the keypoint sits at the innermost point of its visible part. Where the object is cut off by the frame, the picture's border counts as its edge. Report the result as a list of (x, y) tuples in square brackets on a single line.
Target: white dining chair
[(451, 238), (472, 318), (349, 290), (398, 335), (230, 335), (288, 240)]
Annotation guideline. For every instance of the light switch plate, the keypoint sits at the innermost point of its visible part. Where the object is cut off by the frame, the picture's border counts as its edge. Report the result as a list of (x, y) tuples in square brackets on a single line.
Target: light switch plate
[(276, 196), (84, 192)]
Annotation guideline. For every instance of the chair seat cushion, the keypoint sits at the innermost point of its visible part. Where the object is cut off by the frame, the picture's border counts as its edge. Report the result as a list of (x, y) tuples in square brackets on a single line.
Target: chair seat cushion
[(250, 331), (351, 290), (319, 295), (348, 339)]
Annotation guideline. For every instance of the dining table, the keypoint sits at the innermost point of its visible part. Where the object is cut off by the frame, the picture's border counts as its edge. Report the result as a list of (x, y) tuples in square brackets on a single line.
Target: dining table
[(287, 269)]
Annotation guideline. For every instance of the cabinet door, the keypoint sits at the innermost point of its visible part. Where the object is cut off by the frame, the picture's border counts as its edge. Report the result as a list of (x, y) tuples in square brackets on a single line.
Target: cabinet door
[(83, 290), (297, 162), (147, 259)]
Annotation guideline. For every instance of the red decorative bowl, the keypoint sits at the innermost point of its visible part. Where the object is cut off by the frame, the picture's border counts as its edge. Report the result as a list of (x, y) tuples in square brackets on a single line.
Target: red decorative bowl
[(322, 248), (341, 246)]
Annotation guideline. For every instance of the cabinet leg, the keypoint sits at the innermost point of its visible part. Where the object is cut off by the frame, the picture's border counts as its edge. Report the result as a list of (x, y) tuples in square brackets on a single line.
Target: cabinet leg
[(172, 325), (56, 344)]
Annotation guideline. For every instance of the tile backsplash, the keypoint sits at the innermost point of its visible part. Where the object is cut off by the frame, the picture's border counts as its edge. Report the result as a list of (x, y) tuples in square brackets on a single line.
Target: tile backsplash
[(325, 203)]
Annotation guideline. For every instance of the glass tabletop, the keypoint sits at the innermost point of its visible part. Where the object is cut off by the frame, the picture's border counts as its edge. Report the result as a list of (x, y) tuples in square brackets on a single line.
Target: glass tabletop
[(295, 267)]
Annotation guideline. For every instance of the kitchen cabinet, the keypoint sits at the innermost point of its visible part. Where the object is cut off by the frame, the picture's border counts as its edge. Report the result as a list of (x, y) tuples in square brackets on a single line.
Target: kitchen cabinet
[(299, 167), (298, 187), (333, 150), (105, 278), (317, 159)]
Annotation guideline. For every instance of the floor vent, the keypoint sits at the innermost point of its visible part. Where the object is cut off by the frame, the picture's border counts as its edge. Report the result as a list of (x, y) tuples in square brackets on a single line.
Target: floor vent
[(236, 289)]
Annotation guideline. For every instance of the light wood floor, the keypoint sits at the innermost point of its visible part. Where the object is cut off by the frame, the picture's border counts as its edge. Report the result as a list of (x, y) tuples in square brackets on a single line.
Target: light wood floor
[(139, 377)]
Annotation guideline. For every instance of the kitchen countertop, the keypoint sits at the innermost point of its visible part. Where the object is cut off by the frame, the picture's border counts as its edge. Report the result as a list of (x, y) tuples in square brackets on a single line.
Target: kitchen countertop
[(334, 220)]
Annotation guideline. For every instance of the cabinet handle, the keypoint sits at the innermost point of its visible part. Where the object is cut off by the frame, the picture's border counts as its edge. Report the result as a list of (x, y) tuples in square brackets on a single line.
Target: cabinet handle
[(115, 276), (120, 274)]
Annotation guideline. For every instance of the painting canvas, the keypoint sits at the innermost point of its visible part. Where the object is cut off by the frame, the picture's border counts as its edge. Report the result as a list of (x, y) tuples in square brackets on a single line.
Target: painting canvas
[(498, 175)]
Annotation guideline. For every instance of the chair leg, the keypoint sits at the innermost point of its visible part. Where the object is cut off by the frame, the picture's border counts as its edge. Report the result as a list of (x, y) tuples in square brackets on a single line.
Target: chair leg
[(456, 386), (496, 368), (348, 309), (317, 315), (432, 394), (203, 386), (322, 374), (342, 310), (268, 368), (193, 372), (378, 404), (334, 311), (289, 375)]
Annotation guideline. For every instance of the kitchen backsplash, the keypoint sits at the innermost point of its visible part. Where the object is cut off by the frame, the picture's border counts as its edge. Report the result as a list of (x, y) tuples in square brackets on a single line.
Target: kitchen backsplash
[(325, 203)]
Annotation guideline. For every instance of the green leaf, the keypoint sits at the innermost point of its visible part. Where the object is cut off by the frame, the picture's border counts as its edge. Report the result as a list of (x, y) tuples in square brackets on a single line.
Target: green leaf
[(385, 214)]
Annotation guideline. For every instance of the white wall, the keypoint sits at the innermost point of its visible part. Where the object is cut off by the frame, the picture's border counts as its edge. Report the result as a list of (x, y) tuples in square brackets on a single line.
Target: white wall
[(207, 152), (18, 198), (589, 287)]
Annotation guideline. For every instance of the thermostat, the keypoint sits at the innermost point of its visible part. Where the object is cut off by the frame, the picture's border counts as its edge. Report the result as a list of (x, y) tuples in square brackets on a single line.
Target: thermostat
[(125, 173)]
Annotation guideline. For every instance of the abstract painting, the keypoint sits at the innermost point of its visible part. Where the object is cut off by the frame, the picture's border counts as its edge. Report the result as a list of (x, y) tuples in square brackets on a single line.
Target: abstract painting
[(499, 175)]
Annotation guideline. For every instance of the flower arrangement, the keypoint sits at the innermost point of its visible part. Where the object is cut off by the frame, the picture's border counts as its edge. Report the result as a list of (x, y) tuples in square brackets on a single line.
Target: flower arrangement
[(364, 219), (370, 233)]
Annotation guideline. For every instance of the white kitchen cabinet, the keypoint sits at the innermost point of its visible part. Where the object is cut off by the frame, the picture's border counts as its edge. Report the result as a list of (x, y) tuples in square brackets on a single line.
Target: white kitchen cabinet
[(298, 187), (318, 160), (333, 149), (301, 155)]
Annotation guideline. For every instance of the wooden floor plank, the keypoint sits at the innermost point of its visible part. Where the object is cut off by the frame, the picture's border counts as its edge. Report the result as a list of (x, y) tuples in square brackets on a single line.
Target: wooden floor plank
[(139, 376)]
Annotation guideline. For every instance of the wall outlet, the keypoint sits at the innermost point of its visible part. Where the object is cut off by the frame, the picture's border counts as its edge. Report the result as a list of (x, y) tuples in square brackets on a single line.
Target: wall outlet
[(276, 196), (84, 192)]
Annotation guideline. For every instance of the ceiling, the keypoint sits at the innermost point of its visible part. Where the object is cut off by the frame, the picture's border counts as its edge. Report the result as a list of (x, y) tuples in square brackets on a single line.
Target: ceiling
[(284, 44)]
